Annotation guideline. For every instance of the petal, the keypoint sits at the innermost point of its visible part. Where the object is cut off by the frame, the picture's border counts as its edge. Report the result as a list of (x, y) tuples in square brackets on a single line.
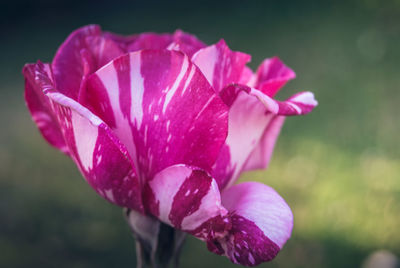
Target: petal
[(186, 43), (272, 75), (220, 65), (39, 106), (301, 103), (250, 226), (103, 50), (123, 41), (101, 157), (69, 62), (161, 107), (261, 224), (262, 153), (248, 117), (150, 41), (100, 48), (186, 198), (247, 77), (254, 124), (179, 41)]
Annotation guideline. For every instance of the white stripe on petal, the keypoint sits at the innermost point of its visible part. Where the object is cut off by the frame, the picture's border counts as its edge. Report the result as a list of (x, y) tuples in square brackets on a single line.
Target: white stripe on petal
[(137, 89), (172, 90), (211, 203), (247, 121), (68, 102), (109, 78), (165, 185), (189, 79), (206, 61), (85, 139)]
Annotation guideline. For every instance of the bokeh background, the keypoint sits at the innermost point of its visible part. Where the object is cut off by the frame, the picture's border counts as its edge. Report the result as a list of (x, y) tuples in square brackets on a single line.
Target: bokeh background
[(338, 168)]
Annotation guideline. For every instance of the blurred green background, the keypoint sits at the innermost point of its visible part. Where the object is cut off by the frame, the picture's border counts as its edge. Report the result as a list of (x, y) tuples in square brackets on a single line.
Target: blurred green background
[(338, 168)]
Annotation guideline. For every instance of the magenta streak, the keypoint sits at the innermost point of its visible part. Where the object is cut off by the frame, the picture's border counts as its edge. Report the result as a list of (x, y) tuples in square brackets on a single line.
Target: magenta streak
[(189, 196)]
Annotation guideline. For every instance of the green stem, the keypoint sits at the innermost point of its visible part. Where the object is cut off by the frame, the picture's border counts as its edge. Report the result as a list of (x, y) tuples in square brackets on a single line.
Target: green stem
[(157, 244)]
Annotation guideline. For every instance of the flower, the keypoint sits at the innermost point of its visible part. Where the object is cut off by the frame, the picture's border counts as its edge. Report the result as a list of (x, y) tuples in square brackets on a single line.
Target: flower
[(164, 125)]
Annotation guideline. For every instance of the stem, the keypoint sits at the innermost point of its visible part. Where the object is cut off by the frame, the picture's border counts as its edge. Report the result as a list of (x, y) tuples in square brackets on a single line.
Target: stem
[(156, 243)]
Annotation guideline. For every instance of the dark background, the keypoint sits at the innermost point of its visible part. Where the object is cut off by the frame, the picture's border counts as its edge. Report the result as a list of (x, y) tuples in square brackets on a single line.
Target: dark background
[(338, 168)]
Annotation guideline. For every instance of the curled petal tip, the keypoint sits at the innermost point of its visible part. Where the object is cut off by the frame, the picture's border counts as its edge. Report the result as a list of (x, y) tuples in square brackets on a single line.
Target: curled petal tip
[(306, 98), (272, 75)]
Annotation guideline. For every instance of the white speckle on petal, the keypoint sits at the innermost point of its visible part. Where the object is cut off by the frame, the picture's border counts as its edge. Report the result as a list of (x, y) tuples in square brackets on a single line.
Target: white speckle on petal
[(109, 195), (145, 133), (251, 258), (189, 79), (99, 159), (187, 193)]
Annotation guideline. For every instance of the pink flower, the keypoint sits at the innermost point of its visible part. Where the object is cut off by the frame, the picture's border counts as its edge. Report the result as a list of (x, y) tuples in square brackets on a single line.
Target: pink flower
[(164, 125)]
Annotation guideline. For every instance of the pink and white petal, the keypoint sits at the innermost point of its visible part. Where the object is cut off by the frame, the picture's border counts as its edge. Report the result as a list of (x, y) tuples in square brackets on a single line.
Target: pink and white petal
[(299, 104), (248, 118), (186, 43), (220, 65), (39, 106), (101, 157), (123, 41), (83, 52), (188, 199), (254, 125), (188, 39), (162, 108), (261, 155), (250, 226), (179, 40), (261, 220), (247, 77), (272, 75), (103, 50), (67, 64), (150, 41)]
